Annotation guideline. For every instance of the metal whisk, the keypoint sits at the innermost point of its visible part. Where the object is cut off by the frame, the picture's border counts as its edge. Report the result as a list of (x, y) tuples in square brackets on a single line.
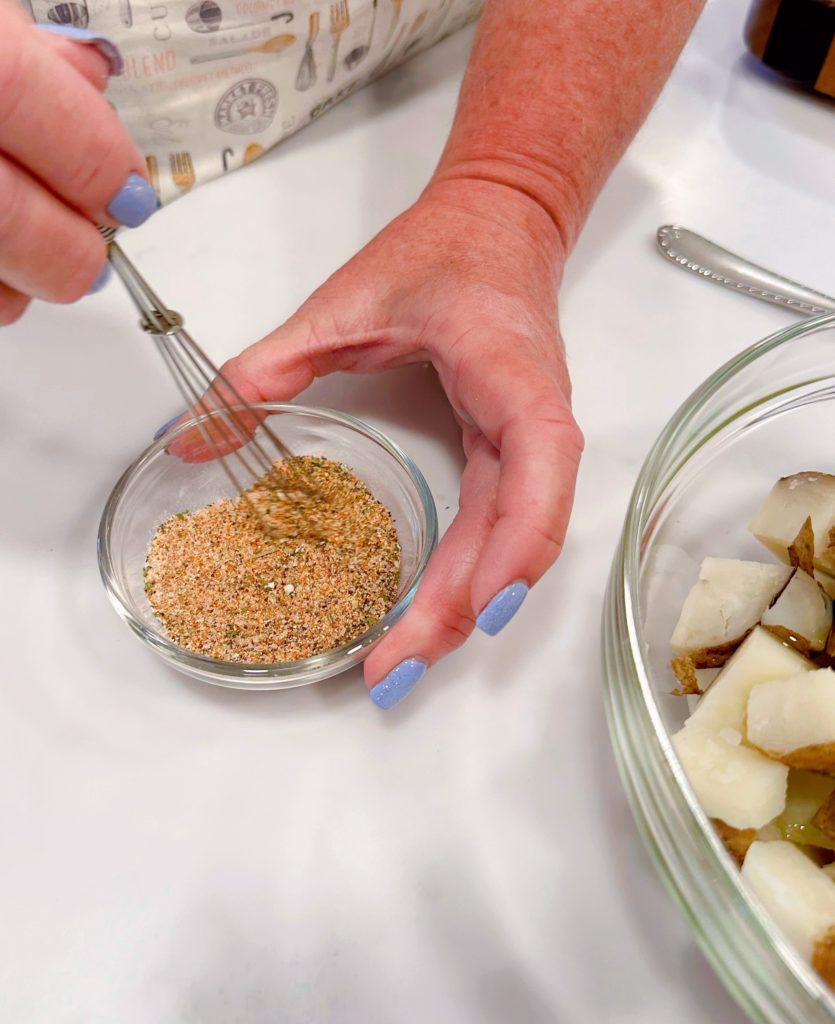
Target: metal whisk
[(227, 423)]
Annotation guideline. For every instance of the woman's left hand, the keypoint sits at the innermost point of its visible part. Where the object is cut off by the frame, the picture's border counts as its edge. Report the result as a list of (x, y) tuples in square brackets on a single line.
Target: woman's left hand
[(465, 279)]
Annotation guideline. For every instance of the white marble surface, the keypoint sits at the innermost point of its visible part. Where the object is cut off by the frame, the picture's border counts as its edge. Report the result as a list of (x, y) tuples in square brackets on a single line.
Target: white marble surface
[(175, 853)]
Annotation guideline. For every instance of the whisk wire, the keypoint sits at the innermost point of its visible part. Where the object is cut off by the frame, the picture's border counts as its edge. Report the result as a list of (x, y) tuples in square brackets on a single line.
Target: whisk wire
[(203, 409), (215, 431), (212, 378), (159, 320), (206, 390)]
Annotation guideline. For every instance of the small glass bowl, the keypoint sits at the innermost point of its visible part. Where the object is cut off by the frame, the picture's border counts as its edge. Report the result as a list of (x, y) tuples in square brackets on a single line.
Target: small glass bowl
[(159, 484), (767, 413)]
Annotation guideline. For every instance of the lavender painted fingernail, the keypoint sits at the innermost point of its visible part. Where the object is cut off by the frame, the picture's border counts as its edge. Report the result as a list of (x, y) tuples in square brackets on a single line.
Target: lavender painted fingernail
[(502, 608), (166, 425), (110, 51), (402, 679), (134, 203), (101, 280)]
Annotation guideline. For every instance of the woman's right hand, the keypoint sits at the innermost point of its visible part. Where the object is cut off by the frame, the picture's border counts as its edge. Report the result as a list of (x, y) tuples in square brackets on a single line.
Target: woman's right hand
[(66, 162)]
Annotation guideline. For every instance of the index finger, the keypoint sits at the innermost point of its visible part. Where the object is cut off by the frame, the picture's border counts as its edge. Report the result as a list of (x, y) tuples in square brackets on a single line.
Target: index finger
[(55, 123)]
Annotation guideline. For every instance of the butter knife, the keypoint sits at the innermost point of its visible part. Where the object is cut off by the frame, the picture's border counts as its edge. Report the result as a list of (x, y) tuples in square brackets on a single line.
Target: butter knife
[(711, 261)]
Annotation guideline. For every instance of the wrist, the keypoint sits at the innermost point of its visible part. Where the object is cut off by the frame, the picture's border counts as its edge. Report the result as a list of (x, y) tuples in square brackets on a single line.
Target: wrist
[(504, 209), (530, 185)]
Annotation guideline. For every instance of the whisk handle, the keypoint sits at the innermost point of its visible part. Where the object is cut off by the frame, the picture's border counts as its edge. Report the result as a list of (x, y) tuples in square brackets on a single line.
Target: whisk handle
[(157, 318)]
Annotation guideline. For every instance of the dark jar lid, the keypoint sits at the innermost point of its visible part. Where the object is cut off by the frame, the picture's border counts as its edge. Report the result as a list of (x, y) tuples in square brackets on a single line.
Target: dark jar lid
[(797, 39)]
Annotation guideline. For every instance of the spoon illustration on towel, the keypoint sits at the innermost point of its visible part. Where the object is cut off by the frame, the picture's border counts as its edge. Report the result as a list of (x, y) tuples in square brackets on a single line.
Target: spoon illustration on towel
[(275, 44), (359, 53)]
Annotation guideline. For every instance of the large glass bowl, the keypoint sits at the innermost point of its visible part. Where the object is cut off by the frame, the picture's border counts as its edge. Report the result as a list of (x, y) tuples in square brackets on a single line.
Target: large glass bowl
[(767, 413), (159, 484)]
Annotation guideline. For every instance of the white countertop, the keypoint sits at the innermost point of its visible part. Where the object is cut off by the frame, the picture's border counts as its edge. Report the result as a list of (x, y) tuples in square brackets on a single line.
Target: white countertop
[(175, 853)]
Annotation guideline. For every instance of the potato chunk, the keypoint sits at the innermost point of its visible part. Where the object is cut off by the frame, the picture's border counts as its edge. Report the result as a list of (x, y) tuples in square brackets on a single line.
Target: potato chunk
[(802, 614), (724, 605), (793, 719), (738, 785), (798, 895), (760, 657), (782, 514)]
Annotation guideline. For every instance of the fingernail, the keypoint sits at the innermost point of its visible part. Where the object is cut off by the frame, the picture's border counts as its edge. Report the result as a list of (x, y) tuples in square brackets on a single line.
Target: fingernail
[(502, 608), (110, 51), (402, 679), (166, 425), (100, 281), (134, 202)]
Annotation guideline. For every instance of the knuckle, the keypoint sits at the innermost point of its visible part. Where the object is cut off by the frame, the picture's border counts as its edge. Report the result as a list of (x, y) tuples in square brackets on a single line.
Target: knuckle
[(550, 540), (453, 625), (442, 622), (570, 435), (553, 412), (577, 438)]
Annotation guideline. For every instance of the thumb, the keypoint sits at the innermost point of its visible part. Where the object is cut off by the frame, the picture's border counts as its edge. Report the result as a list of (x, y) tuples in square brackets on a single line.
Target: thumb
[(274, 369), (285, 362), (92, 55), (279, 366)]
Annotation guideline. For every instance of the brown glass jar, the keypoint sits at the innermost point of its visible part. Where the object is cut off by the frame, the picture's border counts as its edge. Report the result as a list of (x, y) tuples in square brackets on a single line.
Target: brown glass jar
[(797, 39)]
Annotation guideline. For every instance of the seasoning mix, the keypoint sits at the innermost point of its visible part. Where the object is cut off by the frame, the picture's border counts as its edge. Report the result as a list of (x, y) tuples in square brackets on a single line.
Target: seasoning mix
[(224, 586)]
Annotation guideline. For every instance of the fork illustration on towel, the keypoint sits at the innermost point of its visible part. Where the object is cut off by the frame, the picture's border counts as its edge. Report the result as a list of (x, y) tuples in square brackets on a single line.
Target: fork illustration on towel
[(340, 20), (182, 170)]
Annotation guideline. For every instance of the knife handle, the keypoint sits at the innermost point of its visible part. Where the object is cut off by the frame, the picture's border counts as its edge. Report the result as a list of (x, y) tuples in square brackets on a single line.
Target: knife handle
[(714, 263)]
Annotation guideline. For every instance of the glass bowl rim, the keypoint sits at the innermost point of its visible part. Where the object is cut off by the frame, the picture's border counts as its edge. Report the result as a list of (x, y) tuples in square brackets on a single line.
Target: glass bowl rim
[(254, 672), (695, 401), (642, 493), (623, 604)]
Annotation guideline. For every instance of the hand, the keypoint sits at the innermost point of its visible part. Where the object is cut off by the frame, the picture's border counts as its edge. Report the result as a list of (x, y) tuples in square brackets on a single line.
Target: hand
[(66, 162), (465, 279)]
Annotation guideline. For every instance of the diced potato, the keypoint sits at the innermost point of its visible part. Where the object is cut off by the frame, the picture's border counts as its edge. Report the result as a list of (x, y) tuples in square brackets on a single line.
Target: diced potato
[(793, 719), (759, 746), (802, 614), (784, 511), (723, 606), (759, 658), (798, 894), (738, 785)]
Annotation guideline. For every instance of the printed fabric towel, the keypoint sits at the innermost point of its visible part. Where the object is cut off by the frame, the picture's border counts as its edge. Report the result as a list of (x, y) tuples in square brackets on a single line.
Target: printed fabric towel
[(209, 85)]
